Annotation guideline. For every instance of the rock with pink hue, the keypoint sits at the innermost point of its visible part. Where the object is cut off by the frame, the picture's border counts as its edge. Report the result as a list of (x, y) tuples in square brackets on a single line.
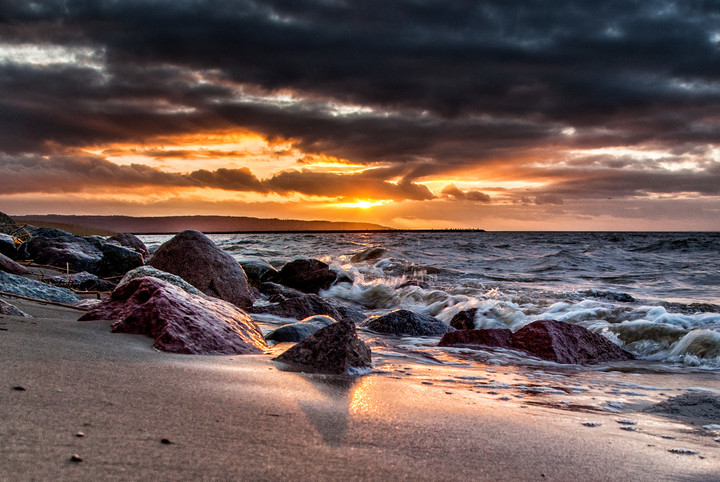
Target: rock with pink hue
[(130, 241), (179, 322), (10, 266), (306, 275), (562, 342), (196, 259), (300, 307), (334, 349), (465, 320), (489, 337)]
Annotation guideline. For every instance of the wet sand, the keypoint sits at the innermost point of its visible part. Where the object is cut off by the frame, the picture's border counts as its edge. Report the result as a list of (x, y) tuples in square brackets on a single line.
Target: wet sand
[(132, 413)]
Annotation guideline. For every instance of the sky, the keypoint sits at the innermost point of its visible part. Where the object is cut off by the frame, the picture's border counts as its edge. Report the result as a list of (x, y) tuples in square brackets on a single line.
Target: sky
[(501, 115)]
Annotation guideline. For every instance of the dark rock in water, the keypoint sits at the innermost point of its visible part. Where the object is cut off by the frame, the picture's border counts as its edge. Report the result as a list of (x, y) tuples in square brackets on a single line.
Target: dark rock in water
[(562, 342), (17, 285), (300, 307), (368, 254), (144, 271), (406, 323), (196, 259), (82, 281), (130, 241), (501, 338), (179, 321), (300, 330), (414, 282), (610, 295), (695, 405), (10, 266), (277, 292), (465, 320), (117, 260), (258, 270), (8, 309), (334, 349), (307, 275), (352, 314), (58, 248)]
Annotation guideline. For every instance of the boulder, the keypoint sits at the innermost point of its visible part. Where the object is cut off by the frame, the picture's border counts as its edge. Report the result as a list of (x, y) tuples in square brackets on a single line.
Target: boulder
[(17, 285), (368, 254), (465, 320), (179, 322), (306, 275), (196, 259), (335, 349), (300, 307), (10, 266), (129, 241), (144, 271), (300, 330), (406, 323), (82, 281), (277, 292), (117, 260), (501, 338), (58, 248), (258, 270), (10, 310), (562, 342), (12, 228), (8, 246)]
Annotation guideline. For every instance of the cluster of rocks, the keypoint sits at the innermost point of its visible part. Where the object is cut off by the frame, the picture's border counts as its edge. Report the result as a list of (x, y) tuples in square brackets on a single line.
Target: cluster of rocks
[(191, 297)]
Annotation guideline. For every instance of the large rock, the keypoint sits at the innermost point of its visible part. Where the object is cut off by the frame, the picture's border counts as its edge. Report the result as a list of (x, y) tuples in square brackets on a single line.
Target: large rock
[(173, 279), (277, 292), (10, 266), (300, 307), (82, 281), (334, 349), (17, 285), (300, 330), (61, 249), (368, 254), (196, 259), (562, 342), (117, 260), (306, 275), (406, 323), (492, 337), (465, 320), (258, 270), (179, 321), (129, 241)]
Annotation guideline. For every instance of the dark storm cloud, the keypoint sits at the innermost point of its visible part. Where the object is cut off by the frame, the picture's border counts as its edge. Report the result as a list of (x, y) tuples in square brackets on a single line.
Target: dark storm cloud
[(446, 84)]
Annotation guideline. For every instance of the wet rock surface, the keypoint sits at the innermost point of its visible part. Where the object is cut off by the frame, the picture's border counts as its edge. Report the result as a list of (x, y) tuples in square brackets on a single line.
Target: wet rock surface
[(129, 241), (300, 307), (179, 321), (465, 320), (144, 271), (492, 337), (54, 247), (368, 255), (300, 330), (306, 275), (117, 260), (258, 270), (12, 283), (334, 349), (406, 323), (196, 259)]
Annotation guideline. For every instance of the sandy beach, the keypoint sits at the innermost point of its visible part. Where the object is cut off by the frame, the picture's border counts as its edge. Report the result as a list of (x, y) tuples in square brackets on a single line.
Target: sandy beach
[(132, 413)]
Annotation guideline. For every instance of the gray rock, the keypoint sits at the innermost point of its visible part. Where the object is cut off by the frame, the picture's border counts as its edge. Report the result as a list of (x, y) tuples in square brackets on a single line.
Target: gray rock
[(307, 275), (129, 241), (8, 246), (300, 330), (8, 309), (82, 281), (11, 283), (58, 248), (258, 270), (300, 307), (10, 266), (406, 323), (144, 271), (117, 260), (368, 254)]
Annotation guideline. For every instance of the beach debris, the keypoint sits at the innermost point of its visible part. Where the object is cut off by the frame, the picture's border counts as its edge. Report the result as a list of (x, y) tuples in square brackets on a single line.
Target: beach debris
[(143, 271), (300, 330), (334, 349), (626, 421), (17, 285), (179, 321), (306, 275), (196, 259), (10, 266), (682, 451), (592, 424), (464, 320), (76, 458), (488, 337), (406, 323)]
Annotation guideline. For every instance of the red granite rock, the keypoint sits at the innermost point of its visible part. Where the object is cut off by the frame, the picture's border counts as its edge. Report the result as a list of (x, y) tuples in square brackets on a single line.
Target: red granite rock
[(562, 342), (10, 266), (196, 259), (179, 322), (490, 337), (334, 349)]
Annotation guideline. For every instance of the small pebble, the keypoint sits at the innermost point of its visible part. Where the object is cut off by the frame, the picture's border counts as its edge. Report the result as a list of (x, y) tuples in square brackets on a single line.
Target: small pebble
[(625, 421), (628, 429), (505, 399), (18, 388), (80, 434), (492, 392), (427, 383), (165, 441), (717, 439), (75, 458), (669, 437), (592, 424), (682, 451)]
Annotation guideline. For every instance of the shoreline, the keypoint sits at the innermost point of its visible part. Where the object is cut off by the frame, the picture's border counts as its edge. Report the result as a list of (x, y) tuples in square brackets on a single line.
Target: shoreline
[(240, 417)]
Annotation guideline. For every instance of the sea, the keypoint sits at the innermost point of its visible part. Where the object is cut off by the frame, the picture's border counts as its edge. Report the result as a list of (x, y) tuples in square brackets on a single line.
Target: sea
[(656, 294)]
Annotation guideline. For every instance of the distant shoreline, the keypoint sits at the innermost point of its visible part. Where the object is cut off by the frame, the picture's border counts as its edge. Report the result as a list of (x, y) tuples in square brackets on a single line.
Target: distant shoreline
[(326, 231)]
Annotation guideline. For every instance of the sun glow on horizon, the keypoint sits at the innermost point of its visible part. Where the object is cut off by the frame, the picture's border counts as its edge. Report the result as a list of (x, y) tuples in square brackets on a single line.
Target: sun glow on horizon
[(364, 204)]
